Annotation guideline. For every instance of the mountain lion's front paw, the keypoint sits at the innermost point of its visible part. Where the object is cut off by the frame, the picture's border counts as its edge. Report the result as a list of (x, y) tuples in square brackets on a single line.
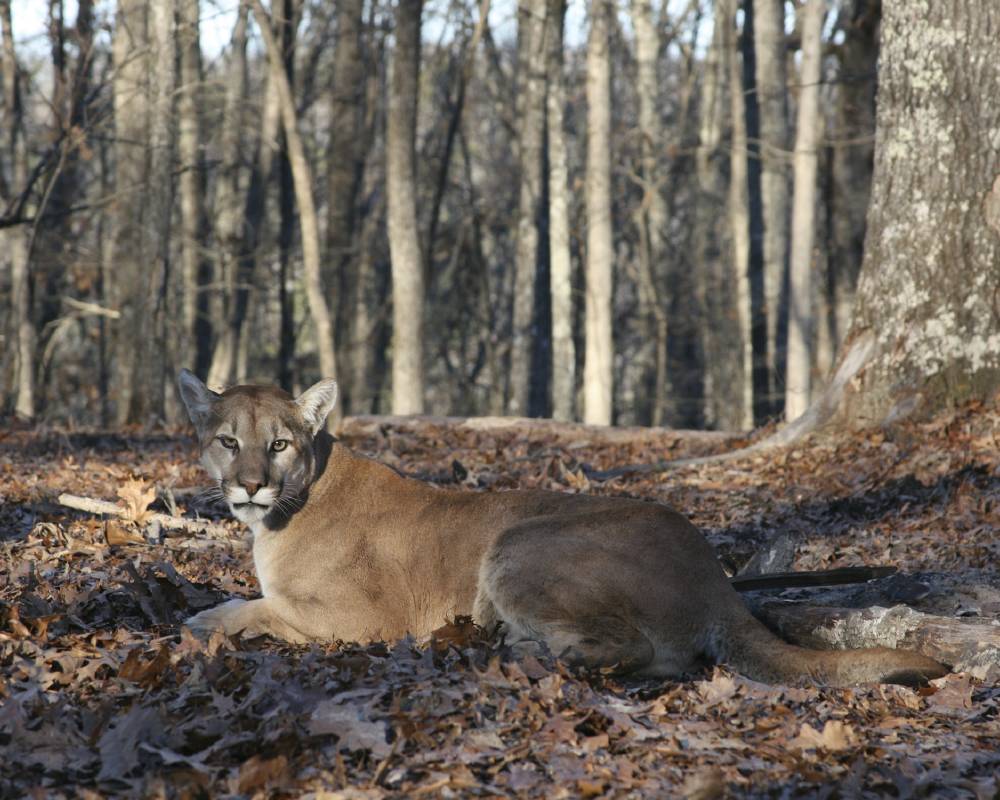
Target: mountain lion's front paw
[(224, 618)]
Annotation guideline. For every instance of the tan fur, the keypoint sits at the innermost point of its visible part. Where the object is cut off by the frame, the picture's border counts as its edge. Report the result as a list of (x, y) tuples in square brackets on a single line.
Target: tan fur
[(366, 554)]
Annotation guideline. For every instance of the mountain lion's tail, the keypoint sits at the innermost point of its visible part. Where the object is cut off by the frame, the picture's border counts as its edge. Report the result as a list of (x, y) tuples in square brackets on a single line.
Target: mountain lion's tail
[(756, 652)]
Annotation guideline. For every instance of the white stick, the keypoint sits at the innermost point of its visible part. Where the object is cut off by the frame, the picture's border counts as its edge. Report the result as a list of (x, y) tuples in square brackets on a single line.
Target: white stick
[(92, 506)]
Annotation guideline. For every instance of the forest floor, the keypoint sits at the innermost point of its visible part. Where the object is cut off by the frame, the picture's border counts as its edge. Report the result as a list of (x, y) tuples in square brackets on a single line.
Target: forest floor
[(102, 692)]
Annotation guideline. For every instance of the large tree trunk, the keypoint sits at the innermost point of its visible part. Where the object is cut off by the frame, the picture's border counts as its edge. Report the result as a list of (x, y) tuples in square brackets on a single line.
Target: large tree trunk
[(196, 270), (228, 213), (653, 214), (560, 262), (808, 136), (772, 93), (344, 174), (404, 243), (599, 353), (531, 100), (14, 240), (927, 296), (302, 178)]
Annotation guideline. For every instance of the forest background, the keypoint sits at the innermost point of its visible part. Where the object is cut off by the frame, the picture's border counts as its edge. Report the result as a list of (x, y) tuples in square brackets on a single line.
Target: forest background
[(151, 217)]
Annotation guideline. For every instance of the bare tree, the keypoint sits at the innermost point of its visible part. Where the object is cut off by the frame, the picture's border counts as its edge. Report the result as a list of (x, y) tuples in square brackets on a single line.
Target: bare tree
[(808, 136), (229, 204), (770, 52), (404, 244), (160, 191), (302, 177), (739, 221), (721, 263), (653, 213), (14, 240), (560, 261), (760, 374), (850, 159), (344, 174), (599, 354), (196, 269), (531, 117), (131, 279)]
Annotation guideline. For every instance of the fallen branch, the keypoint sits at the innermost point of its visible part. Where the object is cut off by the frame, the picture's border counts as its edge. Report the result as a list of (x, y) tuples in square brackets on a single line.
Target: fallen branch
[(529, 428), (93, 506)]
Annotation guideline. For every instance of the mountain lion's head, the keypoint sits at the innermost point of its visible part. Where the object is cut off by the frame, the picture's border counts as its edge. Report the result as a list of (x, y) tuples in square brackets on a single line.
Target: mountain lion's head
[(257, 441)]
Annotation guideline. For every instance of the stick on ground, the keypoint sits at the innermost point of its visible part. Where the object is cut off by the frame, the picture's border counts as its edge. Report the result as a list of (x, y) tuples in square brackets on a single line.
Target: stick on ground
[(94, 506)]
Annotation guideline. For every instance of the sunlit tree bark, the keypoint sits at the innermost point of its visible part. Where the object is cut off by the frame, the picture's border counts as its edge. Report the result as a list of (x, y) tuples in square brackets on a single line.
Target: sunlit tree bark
[(599, 354), (927, 297), (560, 263)]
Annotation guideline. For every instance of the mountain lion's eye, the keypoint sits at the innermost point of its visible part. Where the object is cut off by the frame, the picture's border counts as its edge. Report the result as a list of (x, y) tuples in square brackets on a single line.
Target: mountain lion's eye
[(278, 445), (228, 442)]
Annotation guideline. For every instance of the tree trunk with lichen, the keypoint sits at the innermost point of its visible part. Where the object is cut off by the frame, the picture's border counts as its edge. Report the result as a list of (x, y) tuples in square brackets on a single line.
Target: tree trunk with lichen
[(926, 327)]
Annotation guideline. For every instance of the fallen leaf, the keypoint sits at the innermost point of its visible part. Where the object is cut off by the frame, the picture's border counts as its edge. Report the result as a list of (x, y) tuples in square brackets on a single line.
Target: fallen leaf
[(144, 672), (720, 688), (116, 534), (119, 744), (257, 773), (836, 735), (137, 498), (953, 696), (354, 731)]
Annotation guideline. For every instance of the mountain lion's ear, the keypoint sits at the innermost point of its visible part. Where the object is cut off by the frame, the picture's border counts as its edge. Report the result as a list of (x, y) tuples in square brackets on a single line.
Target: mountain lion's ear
[(198, 398), (317, 402)]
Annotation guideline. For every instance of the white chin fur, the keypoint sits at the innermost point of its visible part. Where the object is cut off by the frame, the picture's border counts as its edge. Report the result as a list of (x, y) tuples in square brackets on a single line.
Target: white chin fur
[(249, 514)]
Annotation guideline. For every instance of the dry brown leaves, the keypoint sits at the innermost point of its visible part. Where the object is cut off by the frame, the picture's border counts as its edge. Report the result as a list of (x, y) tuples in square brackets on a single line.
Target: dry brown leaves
[(102, 691)]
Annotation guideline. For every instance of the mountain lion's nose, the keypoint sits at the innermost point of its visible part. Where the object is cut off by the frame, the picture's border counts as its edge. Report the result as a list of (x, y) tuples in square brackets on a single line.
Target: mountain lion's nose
[(251, 487)]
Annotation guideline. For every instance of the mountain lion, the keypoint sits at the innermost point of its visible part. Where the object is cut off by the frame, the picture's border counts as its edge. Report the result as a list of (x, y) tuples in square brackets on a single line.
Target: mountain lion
[(346, 548)]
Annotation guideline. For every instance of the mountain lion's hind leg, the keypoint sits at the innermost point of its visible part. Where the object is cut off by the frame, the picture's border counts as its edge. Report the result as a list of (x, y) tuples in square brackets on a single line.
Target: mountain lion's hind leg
[(246, 617), (536, 604)]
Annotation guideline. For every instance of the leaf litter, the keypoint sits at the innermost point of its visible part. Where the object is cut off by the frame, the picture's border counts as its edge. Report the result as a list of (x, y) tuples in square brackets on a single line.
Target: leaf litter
[(104, 693)]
